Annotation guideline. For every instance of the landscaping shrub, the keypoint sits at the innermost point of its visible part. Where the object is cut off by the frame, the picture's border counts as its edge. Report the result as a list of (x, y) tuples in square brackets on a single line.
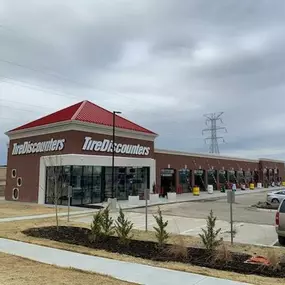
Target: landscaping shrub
[(160, 231), (282, 259), (107, 223), (223, 254), (96, 227), (241, 263), (209, 236), (274, 259), (123, 228)]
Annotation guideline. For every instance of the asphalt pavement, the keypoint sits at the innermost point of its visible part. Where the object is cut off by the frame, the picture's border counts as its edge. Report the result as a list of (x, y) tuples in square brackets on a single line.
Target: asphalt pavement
[(242, 209)]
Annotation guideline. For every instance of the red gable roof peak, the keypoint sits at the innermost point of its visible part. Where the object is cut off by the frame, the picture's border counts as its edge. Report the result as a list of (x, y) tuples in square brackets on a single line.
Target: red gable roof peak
[(85, 111)]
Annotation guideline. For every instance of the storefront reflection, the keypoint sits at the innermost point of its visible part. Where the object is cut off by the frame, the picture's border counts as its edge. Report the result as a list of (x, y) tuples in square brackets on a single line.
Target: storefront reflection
[(92, 184)]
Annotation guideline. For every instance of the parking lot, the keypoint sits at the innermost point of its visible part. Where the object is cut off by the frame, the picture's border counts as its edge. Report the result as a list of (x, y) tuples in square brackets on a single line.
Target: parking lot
[(253, 226), (243, 212)]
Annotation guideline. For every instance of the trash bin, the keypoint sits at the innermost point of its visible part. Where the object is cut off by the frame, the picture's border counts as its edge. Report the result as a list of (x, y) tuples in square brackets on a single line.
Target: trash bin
[(210, 189), (251, 186), (259, 185), (196, 191), (223, 189)]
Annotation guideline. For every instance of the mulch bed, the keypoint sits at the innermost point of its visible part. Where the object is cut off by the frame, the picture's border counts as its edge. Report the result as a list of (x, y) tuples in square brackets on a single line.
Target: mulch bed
[(149, 250)]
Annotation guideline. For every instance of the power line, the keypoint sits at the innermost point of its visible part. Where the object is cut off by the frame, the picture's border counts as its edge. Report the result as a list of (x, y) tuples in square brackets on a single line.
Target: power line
[(211, 122), (21, 109), (83, 85), (54, 75), (66, 95), (45, 72), (29, 105), (36, 87)]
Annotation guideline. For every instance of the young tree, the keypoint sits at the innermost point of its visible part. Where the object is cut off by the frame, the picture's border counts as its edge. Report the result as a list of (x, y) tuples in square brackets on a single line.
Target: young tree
[(160, 231), (123, 228), (107, 223), (210, 235), (96, 227), (56, 181)]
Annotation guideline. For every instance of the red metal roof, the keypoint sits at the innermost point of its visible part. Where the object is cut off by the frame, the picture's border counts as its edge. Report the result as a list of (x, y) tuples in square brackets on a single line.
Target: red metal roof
[(88, 112)]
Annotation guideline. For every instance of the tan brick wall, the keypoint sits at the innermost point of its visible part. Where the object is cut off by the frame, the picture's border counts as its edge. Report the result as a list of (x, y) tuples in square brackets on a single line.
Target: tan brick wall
[(2, 173)]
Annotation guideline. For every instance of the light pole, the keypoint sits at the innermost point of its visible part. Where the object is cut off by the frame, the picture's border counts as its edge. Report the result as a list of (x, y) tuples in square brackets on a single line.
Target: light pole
[(113, 152)]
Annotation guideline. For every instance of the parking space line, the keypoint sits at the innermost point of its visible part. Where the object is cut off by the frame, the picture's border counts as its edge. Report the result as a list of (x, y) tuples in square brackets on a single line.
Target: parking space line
[(142, 226), (193, 229)]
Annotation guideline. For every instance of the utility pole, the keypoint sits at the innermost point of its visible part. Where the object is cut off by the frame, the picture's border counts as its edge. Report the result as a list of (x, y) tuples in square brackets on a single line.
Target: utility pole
[(213, 128)]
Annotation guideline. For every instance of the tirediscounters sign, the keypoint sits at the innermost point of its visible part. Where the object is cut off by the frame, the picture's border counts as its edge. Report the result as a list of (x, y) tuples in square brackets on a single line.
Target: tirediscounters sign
[(107, 146), (29, 147)]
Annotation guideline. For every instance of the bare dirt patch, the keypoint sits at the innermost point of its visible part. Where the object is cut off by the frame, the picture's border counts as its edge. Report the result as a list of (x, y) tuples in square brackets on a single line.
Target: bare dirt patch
[(17, 271)]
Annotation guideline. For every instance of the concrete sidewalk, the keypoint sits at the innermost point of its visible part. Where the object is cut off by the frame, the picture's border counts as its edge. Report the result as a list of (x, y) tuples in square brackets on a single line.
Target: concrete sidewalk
[(131, 272), (44, 216), (188, 197)]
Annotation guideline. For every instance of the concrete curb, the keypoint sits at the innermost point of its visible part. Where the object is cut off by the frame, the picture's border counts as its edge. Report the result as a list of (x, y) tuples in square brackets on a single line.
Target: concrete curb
[(199, 199)]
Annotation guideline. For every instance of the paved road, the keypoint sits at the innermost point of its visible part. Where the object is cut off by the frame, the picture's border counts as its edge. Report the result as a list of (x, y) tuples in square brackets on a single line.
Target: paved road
[(243, 212)]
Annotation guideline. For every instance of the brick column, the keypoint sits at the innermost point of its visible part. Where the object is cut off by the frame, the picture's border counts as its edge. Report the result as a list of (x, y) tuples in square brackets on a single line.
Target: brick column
[(192, 178)]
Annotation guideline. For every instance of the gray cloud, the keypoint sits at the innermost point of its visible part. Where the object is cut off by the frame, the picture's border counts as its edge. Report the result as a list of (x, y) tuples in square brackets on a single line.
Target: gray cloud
[(163, 63)]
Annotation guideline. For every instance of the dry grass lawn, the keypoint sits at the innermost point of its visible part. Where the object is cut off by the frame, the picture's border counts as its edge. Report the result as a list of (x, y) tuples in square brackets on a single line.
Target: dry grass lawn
[(17, 271), (13, 231), (15, 209)]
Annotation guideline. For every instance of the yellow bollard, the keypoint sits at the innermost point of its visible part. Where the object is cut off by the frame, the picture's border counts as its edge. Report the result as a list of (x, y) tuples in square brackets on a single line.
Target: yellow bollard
[(251, 186), (196, 191)]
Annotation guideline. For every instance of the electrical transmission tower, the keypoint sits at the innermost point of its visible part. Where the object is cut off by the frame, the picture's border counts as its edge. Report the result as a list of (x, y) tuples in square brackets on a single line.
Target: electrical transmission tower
[(213, 128)]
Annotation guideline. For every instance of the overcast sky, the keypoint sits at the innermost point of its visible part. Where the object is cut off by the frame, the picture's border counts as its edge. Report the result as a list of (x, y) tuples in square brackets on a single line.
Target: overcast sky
[(162, 63)]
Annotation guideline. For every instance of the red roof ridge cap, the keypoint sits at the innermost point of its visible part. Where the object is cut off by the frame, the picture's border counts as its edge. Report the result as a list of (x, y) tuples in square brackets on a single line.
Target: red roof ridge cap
[(110, 112), (78, 110)]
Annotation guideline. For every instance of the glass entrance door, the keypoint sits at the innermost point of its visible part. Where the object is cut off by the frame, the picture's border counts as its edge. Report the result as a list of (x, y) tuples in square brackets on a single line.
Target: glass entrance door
[(96, 195), (86, 185), (87, 179)]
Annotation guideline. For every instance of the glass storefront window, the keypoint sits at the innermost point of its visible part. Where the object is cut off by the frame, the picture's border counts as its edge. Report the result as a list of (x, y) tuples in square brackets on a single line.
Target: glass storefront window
[(76, 179), (93, 184), (240, 177), (223, 176), (212, 178), (57, 182), (184, 180), (136, 181), (248, 176), (127, 181), (232, 176), (87, 184)]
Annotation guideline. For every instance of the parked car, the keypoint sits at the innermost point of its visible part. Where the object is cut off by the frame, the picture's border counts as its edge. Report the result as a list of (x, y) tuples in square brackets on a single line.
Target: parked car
[(280, 223), (276, 196)]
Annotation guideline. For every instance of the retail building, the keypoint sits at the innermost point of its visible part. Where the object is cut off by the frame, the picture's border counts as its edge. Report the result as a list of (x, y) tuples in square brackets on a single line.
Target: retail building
[(73, 147)]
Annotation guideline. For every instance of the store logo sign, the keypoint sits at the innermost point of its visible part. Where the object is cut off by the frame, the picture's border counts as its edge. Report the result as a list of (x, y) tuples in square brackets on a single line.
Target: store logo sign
[(29, 147), (107, 146)]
